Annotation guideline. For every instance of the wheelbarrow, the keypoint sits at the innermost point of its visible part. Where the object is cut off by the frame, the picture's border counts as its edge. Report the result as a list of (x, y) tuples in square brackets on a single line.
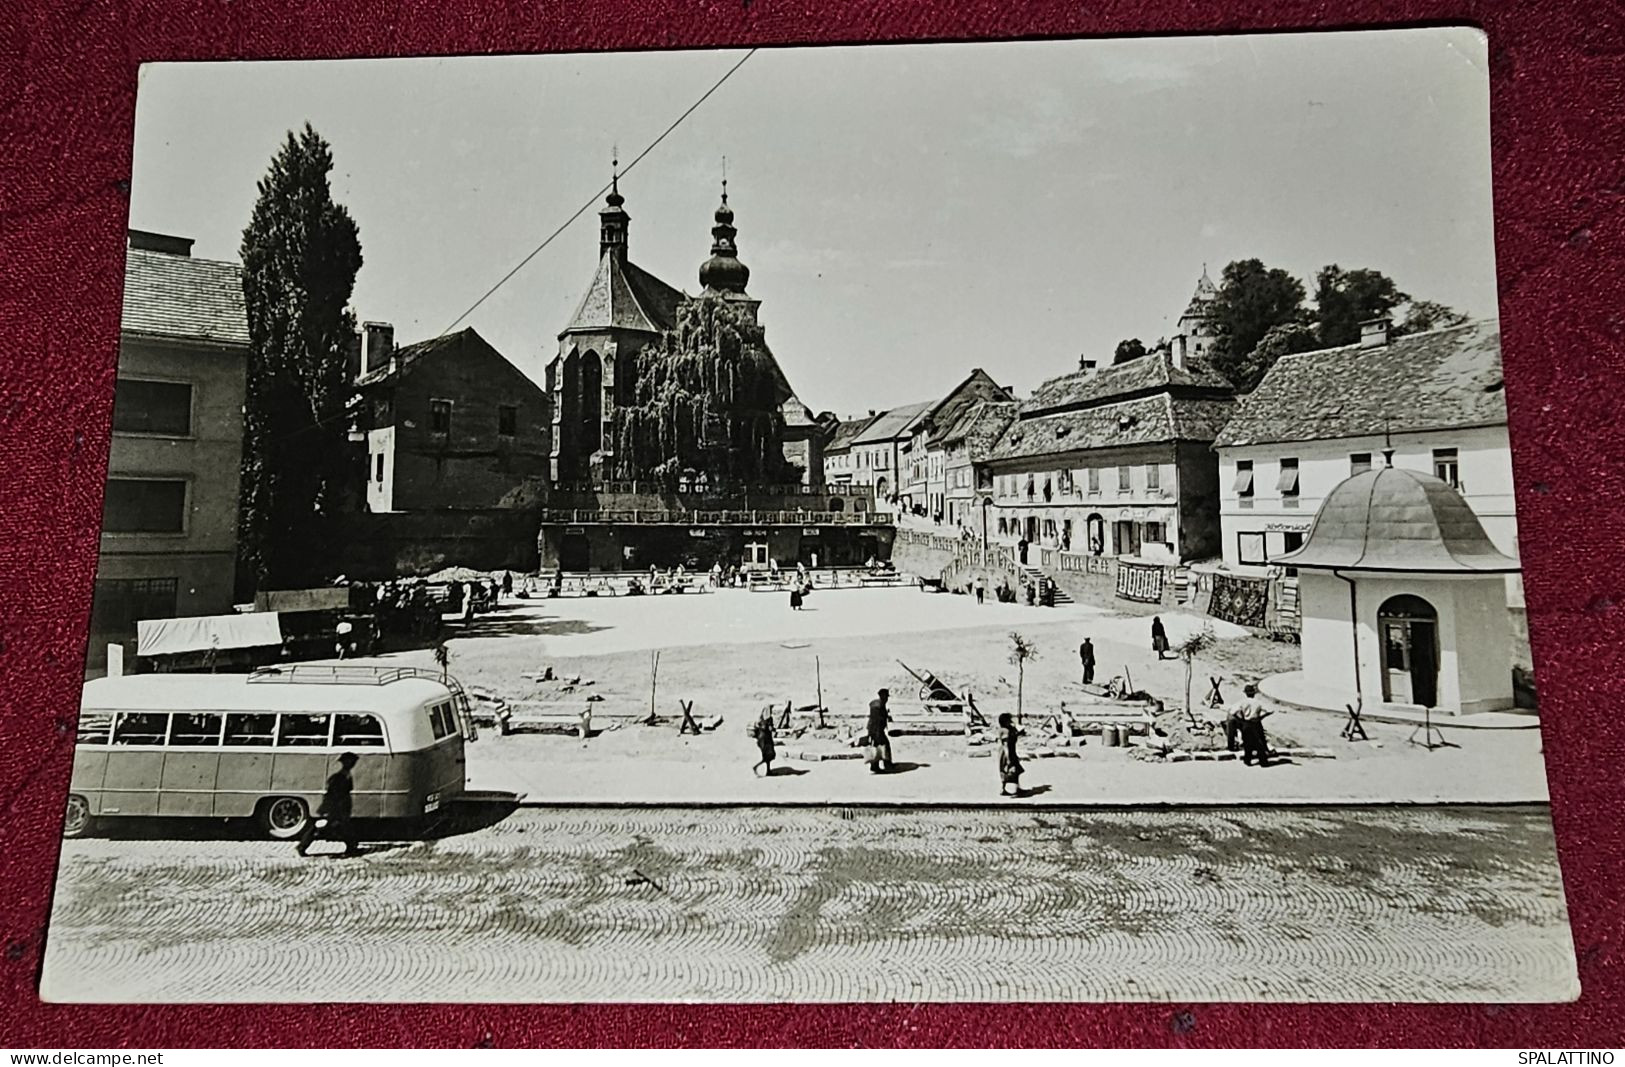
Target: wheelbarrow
[(934, 693)]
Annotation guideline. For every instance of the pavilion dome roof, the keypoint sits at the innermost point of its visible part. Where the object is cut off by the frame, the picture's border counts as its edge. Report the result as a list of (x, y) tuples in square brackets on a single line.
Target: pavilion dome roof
[(1389, 519)]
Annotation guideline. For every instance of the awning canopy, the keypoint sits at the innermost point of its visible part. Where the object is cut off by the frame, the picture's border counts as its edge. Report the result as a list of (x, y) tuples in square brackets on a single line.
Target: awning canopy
[(200, 633)]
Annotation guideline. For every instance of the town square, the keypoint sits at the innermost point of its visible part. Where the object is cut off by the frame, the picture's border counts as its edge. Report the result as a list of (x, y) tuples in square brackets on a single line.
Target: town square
[(866, 586)]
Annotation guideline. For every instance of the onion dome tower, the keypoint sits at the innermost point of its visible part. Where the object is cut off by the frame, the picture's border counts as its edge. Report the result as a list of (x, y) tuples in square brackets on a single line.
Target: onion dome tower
[(723, 272)]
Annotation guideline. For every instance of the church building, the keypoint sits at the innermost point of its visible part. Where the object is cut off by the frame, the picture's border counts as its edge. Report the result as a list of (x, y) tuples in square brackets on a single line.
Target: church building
[(713, 458)]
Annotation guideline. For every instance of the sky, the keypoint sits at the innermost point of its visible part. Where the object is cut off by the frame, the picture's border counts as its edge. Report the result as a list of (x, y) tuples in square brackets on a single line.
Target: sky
[(907, 212)]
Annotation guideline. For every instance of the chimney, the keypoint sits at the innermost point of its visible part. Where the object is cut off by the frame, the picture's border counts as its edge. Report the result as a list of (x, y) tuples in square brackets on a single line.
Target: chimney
[(1179, 351), (378, 349), (1374, 332), (147, 241)]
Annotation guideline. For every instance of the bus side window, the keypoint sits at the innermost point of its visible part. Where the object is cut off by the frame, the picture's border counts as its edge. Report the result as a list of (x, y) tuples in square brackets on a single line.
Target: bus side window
[(303, 731), (358, 731), (95, 727), (200, 728), (250, 728), (140, 728)]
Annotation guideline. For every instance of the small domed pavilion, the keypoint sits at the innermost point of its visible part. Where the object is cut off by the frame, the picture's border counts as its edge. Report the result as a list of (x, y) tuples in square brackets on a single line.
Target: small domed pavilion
[(1403, 597)]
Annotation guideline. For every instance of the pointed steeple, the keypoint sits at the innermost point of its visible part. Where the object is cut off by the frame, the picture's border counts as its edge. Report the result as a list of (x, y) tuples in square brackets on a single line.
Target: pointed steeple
[(613, 221), (723, 272)]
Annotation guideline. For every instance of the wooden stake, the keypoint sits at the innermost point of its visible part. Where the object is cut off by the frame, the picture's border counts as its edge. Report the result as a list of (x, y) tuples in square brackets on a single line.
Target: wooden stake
[(818, 675)]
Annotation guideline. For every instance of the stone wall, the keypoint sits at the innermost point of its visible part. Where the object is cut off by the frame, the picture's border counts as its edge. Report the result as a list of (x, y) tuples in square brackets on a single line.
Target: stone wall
[(400, 544)]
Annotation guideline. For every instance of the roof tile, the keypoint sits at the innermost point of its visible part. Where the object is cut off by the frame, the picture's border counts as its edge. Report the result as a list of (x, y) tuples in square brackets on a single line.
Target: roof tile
[(1438, 380), (178, 296)]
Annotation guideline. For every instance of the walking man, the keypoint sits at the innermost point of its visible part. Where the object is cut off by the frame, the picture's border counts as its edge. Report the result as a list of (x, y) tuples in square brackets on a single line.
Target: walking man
[(1086, 655), (981, 588), (879, 743), (334, 812)]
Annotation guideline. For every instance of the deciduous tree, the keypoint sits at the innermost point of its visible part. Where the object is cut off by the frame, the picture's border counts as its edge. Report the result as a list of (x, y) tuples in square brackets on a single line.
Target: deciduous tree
[(1346, 298), (1133, 348), (1424, 315), (1252, 298)]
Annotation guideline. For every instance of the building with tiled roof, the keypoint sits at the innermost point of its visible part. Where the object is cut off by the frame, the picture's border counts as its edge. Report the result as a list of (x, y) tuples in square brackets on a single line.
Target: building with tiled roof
[(172, 296), (1116, 461), (169, 521), (880, 464), (838, 455), (449, 424), (1436, 399), (926, 450), (966, 445)]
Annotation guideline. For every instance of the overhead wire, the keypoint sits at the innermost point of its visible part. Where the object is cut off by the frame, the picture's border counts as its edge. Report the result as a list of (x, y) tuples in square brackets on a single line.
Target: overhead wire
[(652, 145)]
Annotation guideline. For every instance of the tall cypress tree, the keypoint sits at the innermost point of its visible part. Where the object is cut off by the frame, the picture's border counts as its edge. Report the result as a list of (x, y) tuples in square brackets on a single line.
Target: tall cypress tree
[(301, 252)]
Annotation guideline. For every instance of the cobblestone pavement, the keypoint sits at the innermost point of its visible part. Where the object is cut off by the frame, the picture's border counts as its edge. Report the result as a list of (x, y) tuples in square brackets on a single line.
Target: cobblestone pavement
[(832, 905)]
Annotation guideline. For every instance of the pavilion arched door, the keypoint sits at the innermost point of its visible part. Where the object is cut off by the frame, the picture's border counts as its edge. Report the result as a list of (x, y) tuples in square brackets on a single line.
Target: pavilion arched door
[(1408, 630)]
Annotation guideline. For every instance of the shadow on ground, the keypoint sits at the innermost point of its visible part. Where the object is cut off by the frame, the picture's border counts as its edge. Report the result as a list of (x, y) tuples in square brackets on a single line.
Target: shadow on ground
[(479, 811)]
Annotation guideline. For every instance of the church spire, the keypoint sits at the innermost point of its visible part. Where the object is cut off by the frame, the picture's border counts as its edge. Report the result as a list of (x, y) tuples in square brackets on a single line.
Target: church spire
[(613, 221), (723, 272)]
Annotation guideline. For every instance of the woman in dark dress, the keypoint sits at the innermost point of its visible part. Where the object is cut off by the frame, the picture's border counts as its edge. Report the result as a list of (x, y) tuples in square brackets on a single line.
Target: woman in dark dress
[(1159, 638), (1009, 764), (763, 732)]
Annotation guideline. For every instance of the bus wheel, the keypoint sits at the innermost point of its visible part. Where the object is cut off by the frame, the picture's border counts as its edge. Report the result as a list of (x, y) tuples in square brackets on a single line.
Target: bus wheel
[(77, 823), (284, 818)]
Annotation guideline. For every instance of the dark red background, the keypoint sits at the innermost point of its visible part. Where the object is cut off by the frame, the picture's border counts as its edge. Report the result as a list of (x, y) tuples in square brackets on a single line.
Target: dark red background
[(67, 90)]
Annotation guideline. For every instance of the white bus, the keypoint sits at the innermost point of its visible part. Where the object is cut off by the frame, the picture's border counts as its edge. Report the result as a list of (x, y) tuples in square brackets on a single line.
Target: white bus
[(263, 745)]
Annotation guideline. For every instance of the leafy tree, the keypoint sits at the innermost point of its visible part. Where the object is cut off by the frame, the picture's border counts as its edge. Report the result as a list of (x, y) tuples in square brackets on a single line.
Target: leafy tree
[(1251, 299), (1346, 298), (1132, 348), (1284, 340), (1190, 647), (1424, 315), (300, 252), (1021, 650)]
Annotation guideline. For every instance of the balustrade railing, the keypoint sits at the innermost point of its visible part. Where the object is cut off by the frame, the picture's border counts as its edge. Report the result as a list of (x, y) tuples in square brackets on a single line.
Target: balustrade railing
[(653, 516)]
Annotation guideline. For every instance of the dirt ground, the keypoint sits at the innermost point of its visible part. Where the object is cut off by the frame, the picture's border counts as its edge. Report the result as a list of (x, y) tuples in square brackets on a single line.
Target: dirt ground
[(733, 652)]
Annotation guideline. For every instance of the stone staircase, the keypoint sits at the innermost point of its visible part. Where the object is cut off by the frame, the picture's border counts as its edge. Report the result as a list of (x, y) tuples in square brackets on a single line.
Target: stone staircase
[(1030, 573)]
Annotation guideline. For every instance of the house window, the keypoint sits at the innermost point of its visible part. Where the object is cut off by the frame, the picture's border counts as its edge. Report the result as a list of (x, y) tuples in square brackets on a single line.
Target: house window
[(145, 505), (507, 420), (1359, 463), (1156, 532), (378, 468), (1153, 476), (1125, 479), (1244, 482), (440, 417), (1287, 483), (1094, 479), (1250, 549), (120, 603), (1447, 467), (152, 407)]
